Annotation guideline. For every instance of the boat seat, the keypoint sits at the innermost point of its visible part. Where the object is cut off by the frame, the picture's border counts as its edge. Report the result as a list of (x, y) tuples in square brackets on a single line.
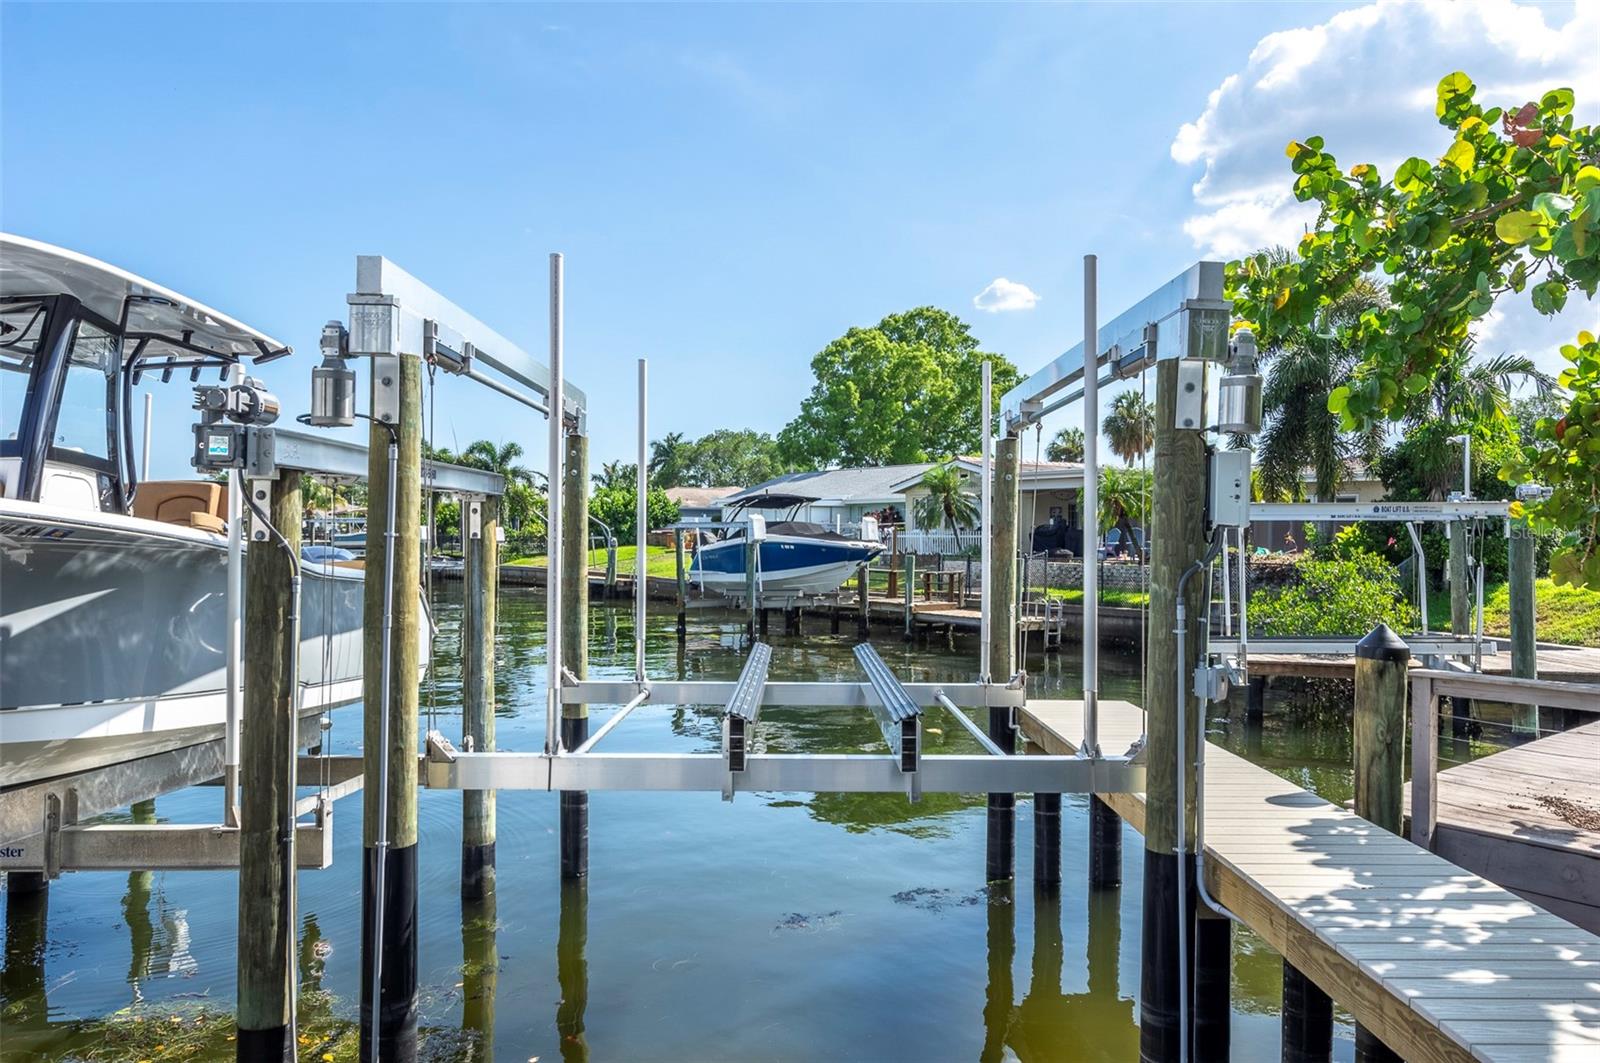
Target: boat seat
[(192, 503)]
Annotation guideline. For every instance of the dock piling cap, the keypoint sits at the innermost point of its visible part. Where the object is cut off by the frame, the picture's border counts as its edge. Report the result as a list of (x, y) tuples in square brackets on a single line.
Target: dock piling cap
[(1382, 644)]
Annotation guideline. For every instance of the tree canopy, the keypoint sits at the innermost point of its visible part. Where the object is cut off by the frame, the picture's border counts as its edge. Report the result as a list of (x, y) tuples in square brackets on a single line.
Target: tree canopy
[(726, 457), (905, 390), (1511, 207)]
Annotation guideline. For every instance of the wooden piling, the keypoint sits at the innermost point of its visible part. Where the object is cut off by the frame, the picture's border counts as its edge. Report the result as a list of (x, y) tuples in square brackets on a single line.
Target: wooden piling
[(683, 585), (1047, 842), (1307, 1016), (479, 599), (1000, 852), (863, 607), (910, 593), (1524, 637), (267, 779), (1179, 510), (1460, 616), (1213, 985), (1105, 845), (1382, 659), (395, 1025), (1255, 706), (575, 641)]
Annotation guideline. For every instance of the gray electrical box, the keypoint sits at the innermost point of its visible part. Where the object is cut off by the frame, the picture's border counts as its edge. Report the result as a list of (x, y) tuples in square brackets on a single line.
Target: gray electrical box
[(1229, 502)]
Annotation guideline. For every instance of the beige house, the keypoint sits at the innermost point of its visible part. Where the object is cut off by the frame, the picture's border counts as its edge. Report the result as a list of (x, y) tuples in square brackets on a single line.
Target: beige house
[(1049, 495), (1360, 485)]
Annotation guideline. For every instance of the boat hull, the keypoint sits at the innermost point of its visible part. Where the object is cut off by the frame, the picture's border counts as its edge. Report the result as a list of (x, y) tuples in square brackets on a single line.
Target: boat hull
[(113, 636), (788, 564)]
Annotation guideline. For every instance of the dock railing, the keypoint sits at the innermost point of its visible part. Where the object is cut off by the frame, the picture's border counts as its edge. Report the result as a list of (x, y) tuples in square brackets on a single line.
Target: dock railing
[(1429, 685)]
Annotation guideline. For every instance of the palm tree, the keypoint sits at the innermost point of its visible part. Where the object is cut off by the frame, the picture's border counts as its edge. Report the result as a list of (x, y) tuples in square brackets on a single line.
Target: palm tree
[(1124, 502), (1130, 427), (669, 459), (1300, 433), (501, 459), (947, 502), (1067, 445), (615, 474)]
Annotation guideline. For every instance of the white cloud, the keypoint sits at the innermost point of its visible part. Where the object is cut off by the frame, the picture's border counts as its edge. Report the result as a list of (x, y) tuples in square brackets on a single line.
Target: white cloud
[(1364, 81), (1002, 295)]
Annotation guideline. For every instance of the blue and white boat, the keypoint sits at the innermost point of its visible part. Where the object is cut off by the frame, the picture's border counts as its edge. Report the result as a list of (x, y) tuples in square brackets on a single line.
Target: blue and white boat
[(795, 557)]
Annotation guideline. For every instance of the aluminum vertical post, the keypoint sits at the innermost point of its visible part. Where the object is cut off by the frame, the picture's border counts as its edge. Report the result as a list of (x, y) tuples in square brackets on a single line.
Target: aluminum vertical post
[(149, 400), (1091, 509), (987, 503), (552, 734), (642, 526)]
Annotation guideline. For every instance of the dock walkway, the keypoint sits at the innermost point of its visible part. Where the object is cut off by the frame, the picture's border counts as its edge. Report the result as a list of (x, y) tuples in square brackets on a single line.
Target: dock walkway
[(1529, 818), (1439, 963), (1571, 664)]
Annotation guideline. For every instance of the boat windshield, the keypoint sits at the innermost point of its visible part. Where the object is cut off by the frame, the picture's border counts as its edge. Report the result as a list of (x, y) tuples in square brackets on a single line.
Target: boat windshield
[(21, 327), (85, 419)]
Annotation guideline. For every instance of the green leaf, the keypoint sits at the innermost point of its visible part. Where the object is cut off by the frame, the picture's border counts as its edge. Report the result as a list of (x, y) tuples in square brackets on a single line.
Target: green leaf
[(1338, 398), (1549, 297), (1519, 226), (1557, 101), (1552, 205), (1416, 384), (1587, 178), (1413, 172), (1451, 86), (1461, 155)]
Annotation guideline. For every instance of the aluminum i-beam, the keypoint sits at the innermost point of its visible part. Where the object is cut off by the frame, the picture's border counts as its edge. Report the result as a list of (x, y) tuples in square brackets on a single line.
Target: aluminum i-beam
[(898, 716), (1185, 318), (1397, 511), (744, 707), (278, 449), (831, 694)]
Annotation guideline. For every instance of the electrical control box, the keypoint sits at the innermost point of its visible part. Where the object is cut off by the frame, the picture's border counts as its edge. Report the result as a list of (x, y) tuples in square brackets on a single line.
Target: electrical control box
[(219, 446), (1228, 504)]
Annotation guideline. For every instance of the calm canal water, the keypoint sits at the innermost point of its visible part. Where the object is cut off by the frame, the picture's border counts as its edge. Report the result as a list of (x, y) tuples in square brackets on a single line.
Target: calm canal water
[(777, 927)]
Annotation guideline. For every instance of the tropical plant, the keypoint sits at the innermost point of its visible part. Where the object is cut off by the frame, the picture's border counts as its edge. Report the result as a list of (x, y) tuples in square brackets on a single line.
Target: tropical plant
[(500, 458), (1130, 427), (669, 460), (1125, 502), (1512, 206), (1302, 369), (1345, 594), (616, 474), (1066, 445), (905, 390), (947, 501), (617, 507)]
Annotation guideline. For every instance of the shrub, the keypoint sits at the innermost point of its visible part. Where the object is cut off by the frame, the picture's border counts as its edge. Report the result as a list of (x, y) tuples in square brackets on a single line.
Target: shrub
[(1347, 594)]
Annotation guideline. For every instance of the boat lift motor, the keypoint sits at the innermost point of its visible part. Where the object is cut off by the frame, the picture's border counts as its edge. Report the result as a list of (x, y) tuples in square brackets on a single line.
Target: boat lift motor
[(231, 415), (333, 383)]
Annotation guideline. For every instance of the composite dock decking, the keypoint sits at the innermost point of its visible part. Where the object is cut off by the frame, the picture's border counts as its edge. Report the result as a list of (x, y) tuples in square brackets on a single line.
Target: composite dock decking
[(1529, 818), (1438, 962)]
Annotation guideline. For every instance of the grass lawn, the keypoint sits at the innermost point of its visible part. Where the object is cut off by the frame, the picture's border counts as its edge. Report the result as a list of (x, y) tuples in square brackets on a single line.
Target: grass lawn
[(659, 561), (1108, 596), (1563, 614)]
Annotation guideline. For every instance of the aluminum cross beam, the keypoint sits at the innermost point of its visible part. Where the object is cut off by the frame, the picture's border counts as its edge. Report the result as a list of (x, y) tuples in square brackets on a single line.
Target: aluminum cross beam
[(793, 773), (1185, 318), (831, 694), (899, 717), (1399, 511), (744, 708)]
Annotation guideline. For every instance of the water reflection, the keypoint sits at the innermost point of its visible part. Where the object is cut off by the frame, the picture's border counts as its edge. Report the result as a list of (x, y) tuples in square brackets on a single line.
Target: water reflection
[(480, 971), (1052, 1023), (572, 970), (22, 981)]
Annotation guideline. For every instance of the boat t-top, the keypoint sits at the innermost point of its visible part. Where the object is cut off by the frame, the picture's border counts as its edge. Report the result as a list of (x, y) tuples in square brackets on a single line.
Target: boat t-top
[(794, 557), (113, 613)]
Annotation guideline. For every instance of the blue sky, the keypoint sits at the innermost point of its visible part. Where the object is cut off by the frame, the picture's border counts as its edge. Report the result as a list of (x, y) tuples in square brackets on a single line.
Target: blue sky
[(733, 187)]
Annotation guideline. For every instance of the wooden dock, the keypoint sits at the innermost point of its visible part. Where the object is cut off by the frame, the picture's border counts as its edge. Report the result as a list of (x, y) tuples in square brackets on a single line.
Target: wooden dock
[(1438, 962), (1571, 664), (1529, 819)]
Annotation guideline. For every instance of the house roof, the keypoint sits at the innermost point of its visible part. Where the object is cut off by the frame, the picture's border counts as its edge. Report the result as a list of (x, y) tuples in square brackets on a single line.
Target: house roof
[(1047, 474), (699, 497), (874, 485)]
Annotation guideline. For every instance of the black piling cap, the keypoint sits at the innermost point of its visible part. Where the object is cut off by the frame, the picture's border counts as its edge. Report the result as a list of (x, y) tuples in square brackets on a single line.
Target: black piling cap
[(1382, 644)]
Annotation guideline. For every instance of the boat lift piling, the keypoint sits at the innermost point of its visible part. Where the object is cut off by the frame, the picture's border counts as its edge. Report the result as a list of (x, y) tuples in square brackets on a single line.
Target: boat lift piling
[(480, 594)]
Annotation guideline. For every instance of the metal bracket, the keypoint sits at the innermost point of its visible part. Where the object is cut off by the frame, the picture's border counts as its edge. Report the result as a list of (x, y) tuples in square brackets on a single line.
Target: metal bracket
[(475, 519), (386, 388), (261, 494), (1191, 394)]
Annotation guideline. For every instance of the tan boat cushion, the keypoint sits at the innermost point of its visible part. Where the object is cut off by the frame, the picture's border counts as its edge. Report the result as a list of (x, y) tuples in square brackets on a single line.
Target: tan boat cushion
[(194, 503)]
